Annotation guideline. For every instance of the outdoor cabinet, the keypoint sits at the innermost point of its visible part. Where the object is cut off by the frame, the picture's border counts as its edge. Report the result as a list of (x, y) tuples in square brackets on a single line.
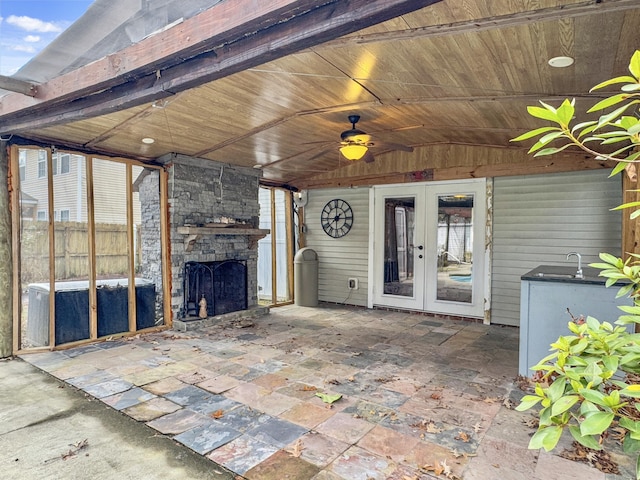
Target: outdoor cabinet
[(72, 309), (549, 294)]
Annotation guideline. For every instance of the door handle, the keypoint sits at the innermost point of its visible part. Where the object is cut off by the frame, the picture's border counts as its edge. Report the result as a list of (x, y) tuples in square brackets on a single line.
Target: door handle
[(420, 247), (419, 256)]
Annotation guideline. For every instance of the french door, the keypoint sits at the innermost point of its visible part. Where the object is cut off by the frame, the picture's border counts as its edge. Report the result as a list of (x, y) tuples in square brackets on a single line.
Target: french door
[(428, 247)]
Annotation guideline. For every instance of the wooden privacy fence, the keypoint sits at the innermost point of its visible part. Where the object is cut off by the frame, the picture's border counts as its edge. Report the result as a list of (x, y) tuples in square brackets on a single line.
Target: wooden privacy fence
[(72, 250)]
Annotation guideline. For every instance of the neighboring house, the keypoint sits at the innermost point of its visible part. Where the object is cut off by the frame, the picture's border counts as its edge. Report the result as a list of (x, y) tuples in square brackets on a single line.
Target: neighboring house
[(70, 188)]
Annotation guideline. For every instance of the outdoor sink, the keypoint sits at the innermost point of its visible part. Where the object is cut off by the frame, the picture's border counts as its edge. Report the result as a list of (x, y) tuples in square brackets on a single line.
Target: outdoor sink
[(555, 275), (563, 274)]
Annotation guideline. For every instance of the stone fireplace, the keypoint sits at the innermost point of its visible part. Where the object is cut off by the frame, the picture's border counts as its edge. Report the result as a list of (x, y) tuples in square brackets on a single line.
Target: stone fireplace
[(213, 211)]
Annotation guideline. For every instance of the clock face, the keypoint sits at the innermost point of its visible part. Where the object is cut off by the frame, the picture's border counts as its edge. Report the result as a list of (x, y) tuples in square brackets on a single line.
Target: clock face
[(336, 218)]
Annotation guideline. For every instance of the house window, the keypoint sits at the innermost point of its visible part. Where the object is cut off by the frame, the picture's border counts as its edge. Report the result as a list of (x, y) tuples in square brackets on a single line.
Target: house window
[(42, 215), (42, 164), (61, 163), (64, 215), (22, 163)]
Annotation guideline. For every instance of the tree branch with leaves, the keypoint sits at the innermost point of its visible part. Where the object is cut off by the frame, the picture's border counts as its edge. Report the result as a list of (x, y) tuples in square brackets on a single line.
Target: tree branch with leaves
[(589, 382)]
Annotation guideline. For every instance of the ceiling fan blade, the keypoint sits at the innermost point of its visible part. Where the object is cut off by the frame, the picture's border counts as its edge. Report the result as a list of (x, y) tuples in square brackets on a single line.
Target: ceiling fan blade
[(390, 146), (368, 157)]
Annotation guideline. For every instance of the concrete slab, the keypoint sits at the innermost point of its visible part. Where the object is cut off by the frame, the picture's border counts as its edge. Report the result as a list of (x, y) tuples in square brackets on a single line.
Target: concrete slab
[(49, 430)]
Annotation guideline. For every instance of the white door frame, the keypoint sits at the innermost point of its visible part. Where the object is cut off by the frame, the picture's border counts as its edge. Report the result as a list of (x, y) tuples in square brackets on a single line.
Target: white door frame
[(425, 293)]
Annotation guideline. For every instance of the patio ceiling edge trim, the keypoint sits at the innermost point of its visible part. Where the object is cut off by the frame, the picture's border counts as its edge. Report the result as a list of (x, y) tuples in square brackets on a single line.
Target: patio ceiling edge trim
[(113, 83)]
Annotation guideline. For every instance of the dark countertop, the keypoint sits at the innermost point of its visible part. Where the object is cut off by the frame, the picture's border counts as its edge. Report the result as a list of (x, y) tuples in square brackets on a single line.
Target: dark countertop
[(565, 274)]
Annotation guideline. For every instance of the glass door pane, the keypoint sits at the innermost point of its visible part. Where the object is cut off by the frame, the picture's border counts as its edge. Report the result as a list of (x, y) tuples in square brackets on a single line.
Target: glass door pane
[(275, 250), (398, 247), (399, 228), (34, 249), (455, 248)]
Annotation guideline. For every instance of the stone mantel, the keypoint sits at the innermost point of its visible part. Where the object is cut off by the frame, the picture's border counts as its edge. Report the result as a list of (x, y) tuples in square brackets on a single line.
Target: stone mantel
[(194, 233)]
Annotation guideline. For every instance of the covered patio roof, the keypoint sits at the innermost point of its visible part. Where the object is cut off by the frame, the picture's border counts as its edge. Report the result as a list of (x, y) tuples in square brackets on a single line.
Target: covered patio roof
[(271, 84)]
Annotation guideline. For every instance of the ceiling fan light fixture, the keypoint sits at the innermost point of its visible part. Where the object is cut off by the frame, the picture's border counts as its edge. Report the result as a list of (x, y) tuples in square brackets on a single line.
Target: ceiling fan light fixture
[(353, 151)]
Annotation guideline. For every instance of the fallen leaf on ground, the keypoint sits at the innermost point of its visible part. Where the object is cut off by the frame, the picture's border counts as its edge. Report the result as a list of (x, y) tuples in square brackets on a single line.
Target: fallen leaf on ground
[(296, 451), (596, 458), (327, 398), (218, 414), (309, 388), (76, 447), (477, 427), (508, 403), (463, 436), (428, 426), (439, 468)]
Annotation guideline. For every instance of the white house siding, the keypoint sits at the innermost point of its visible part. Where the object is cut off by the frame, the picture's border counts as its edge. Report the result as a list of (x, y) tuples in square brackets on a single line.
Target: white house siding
[(340, 258), (110, 192), (71, 194), (538, 219)]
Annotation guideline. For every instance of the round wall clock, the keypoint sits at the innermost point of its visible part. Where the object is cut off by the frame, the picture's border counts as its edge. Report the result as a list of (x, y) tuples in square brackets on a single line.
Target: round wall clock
[(336, 218)]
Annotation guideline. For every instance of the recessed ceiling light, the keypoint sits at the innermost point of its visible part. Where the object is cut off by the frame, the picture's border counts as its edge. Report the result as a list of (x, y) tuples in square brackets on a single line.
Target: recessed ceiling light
[(561, 62), (148, 140)]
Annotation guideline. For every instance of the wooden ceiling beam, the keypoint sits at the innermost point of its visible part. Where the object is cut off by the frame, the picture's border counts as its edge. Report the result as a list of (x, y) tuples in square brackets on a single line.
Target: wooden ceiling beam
[(19, 86), (589, 7), (532, 166), (185, 56)]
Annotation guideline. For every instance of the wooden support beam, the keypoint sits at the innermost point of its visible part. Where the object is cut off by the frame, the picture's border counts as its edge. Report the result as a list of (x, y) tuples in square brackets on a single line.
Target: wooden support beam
[(288, 215), (18, 86), (630, 230), (165, 248), (132, 251), (559, 12), (228, 38), (16, 213), (52, 250), (274, 250), (93, 271), (7, 298)]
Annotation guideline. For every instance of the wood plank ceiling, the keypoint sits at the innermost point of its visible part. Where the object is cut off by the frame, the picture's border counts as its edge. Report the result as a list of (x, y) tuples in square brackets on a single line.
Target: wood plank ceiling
[(452, 79)]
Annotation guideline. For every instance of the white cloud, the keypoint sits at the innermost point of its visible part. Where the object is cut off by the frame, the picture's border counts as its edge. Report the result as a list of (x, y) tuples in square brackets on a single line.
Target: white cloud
[(33, 24), (32, 38), (23, 48)]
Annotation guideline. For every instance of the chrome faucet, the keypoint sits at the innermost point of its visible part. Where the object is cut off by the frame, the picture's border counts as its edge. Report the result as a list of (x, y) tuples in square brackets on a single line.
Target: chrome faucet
[(579, 273)]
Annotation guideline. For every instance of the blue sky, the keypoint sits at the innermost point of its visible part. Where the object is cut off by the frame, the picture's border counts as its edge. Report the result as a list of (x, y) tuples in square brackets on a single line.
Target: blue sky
[(27, 26)]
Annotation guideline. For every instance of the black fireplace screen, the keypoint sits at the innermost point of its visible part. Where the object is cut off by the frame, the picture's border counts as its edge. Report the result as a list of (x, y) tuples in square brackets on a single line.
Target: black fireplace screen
[(222, 284)]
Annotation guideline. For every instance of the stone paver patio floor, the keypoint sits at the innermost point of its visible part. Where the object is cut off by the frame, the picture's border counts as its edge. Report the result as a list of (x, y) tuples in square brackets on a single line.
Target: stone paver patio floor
[(418, 392)]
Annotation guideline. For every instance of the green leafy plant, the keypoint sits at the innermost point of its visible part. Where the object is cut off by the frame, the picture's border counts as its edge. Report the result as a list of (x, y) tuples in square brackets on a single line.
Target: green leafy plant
[(590, 381)]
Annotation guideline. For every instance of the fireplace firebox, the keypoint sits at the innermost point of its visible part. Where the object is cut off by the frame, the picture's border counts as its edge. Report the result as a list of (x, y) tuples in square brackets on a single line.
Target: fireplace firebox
[(222, 284)]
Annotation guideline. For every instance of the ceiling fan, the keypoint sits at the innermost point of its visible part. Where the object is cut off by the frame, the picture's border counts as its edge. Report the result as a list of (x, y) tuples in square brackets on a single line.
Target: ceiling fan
[(357, 145)]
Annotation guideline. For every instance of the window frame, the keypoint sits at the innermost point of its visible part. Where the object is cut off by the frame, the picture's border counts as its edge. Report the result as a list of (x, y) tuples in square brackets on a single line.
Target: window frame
[(22, 164), (42, 164)]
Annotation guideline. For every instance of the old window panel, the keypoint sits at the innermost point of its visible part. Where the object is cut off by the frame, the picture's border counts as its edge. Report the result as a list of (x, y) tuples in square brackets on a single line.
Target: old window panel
[(147, 261), (70, 253), (275, 251), (34, 266)]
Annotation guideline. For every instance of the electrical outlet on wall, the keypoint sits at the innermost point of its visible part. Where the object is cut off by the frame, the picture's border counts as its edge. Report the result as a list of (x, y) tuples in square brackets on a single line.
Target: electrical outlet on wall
[(352, 283)]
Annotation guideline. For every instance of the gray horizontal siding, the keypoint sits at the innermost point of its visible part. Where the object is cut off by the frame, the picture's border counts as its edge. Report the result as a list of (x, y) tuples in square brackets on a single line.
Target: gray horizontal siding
[(340, 258), (538, 219)]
